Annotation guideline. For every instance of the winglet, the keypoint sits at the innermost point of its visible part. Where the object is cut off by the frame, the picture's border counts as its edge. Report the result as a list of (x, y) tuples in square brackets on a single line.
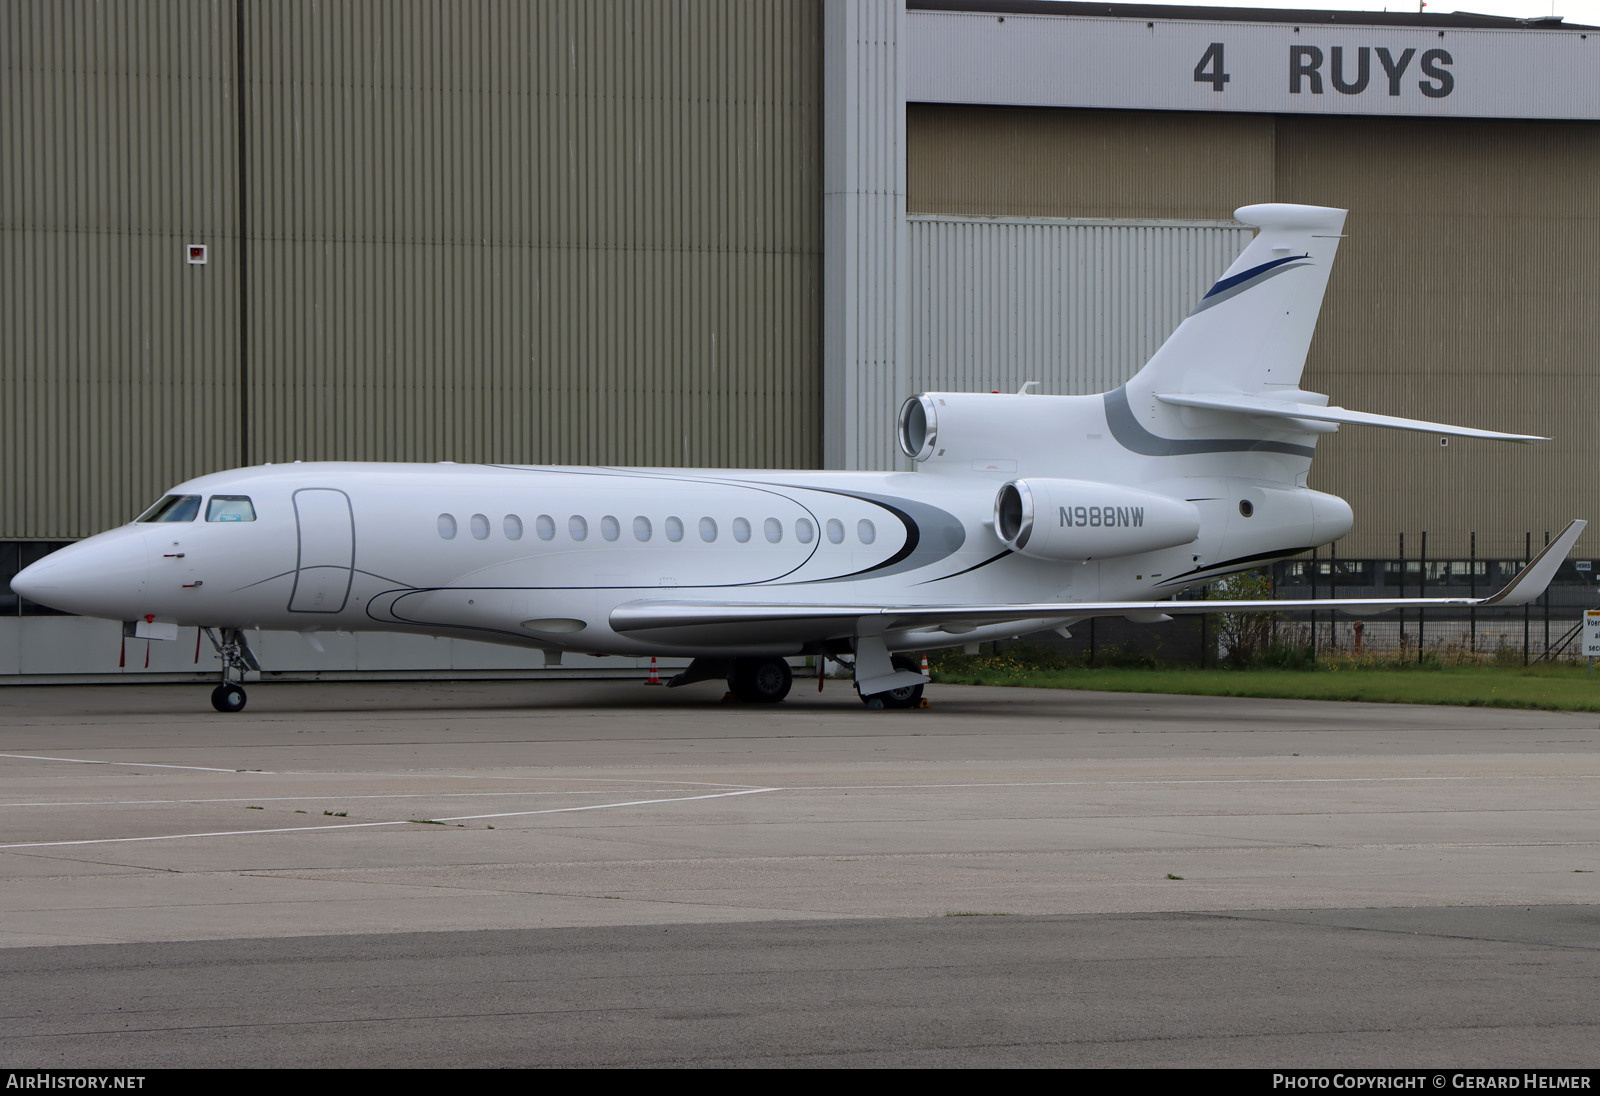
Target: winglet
[(1533, 578)]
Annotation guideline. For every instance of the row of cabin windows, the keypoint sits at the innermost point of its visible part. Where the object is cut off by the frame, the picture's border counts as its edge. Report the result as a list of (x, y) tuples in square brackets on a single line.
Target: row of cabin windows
[(544, 527)]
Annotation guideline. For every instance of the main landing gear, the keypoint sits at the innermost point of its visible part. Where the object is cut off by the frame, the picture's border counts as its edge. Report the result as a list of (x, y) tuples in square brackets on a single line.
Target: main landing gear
[(904, 696), (237, 657), (760, 680), (890, 681), (752, 680)]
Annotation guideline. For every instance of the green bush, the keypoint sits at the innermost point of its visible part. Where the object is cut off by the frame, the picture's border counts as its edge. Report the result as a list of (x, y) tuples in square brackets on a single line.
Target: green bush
[(1288, 656), (1244, 637)]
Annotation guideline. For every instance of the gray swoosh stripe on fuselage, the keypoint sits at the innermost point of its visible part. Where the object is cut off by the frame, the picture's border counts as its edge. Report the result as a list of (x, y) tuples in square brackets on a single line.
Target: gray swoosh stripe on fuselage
[(932, 534), (1132, 436)]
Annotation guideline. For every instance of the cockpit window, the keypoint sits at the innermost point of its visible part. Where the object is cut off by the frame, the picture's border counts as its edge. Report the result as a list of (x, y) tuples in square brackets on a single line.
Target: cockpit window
[(173, 508), (230, 508)]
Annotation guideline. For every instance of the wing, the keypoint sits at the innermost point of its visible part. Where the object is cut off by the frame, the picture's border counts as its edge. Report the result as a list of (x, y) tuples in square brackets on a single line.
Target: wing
[(714, 623)]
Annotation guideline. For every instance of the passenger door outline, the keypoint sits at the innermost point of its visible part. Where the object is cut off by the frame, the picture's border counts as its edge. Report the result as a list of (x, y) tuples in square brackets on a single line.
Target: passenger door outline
[(325, 560)]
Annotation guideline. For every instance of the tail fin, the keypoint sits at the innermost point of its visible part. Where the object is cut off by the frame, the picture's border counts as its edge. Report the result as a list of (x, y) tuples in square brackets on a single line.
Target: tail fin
[(1251, 331), (1243, 348)]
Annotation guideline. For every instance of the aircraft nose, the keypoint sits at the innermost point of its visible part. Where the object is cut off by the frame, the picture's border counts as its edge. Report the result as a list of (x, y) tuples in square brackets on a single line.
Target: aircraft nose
[(37, 581), (103, 576)]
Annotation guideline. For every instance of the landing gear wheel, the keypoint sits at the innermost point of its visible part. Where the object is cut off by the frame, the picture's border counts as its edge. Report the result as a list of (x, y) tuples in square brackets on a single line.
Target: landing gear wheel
[(228, 697), (237, 659), (908, 697), (760, 680)]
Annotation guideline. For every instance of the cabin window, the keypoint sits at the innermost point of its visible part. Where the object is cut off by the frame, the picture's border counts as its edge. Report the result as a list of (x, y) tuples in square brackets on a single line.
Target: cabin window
[(480, 527), (545, 526), (610, 528), (173, 508), (577, 528), (866, 532), (641, 529), (835, 531), (674, 530), (513, 527), (447, 527), (741, 530), (708, 530), (804, 531), (774, 530), (230, 508)]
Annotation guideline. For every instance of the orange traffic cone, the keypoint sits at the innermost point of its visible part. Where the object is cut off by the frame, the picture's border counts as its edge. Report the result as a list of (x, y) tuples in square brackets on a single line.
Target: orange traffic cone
[(654, 678)]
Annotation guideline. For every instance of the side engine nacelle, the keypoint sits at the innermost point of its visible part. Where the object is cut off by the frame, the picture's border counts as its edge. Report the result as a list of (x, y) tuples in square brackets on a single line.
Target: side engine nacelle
[(1076, 520), (984, 432)]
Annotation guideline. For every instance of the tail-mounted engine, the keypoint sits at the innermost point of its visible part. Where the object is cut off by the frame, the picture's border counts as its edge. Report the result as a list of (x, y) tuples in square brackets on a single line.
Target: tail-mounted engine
[(1076, 520), (982, 431)]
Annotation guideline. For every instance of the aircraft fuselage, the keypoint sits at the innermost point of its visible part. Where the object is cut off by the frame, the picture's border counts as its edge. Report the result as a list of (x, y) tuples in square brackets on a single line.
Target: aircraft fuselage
[(540, 557)]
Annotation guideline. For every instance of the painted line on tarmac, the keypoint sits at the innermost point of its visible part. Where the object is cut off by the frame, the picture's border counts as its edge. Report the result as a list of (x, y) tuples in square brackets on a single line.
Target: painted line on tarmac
[(739, 788), (337, 797), (137, 764), (1499, 777), (369, 773), (374, 825)]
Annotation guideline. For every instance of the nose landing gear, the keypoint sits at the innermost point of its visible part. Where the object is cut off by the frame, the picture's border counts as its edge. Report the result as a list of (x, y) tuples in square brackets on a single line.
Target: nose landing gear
[(237, 657), (228, 697)]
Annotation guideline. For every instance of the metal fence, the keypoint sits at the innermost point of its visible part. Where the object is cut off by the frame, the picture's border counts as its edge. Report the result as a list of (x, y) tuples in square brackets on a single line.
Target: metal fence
[(1547, 628), (1543, 629)]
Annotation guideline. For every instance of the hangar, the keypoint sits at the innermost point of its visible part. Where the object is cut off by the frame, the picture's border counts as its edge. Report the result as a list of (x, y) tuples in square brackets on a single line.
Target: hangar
[(713, 233)]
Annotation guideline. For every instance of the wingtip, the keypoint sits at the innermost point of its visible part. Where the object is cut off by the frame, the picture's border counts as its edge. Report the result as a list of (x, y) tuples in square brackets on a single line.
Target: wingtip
[(1536, 576)]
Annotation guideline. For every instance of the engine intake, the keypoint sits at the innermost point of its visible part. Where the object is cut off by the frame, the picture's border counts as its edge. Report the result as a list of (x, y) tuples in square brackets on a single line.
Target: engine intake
[(919, 427), (991, 432)]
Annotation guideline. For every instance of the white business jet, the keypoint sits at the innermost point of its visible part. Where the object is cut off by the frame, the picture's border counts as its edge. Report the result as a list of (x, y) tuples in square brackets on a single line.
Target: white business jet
[(1026, 512)]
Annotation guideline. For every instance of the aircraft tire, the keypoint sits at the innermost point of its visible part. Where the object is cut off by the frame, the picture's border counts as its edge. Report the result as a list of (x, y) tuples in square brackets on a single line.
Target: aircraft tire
[(908, 697), (228, 698), (761, 680)]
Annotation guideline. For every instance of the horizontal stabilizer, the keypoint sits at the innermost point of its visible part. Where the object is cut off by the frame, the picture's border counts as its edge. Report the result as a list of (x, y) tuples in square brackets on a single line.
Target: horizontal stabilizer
[(1283, 409), (714, 622)]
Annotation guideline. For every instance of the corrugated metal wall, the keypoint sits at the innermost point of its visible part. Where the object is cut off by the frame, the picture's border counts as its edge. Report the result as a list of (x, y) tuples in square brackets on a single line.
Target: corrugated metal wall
[(1078, 306), (864, 282), (116, 151), (1016, 162), (1466, 292), (492, 231)]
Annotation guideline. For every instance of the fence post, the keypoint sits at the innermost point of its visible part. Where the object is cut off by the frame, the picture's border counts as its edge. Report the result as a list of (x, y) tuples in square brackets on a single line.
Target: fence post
[(1544, 600), (1333, 593), (1422, 581), (1313, 598), (1527, 556), (1272, 592), (1400, 562), (1472, 590)]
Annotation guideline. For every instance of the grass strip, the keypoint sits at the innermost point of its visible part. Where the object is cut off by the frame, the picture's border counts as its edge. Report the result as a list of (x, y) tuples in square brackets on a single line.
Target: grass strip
[(1554, 688)]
